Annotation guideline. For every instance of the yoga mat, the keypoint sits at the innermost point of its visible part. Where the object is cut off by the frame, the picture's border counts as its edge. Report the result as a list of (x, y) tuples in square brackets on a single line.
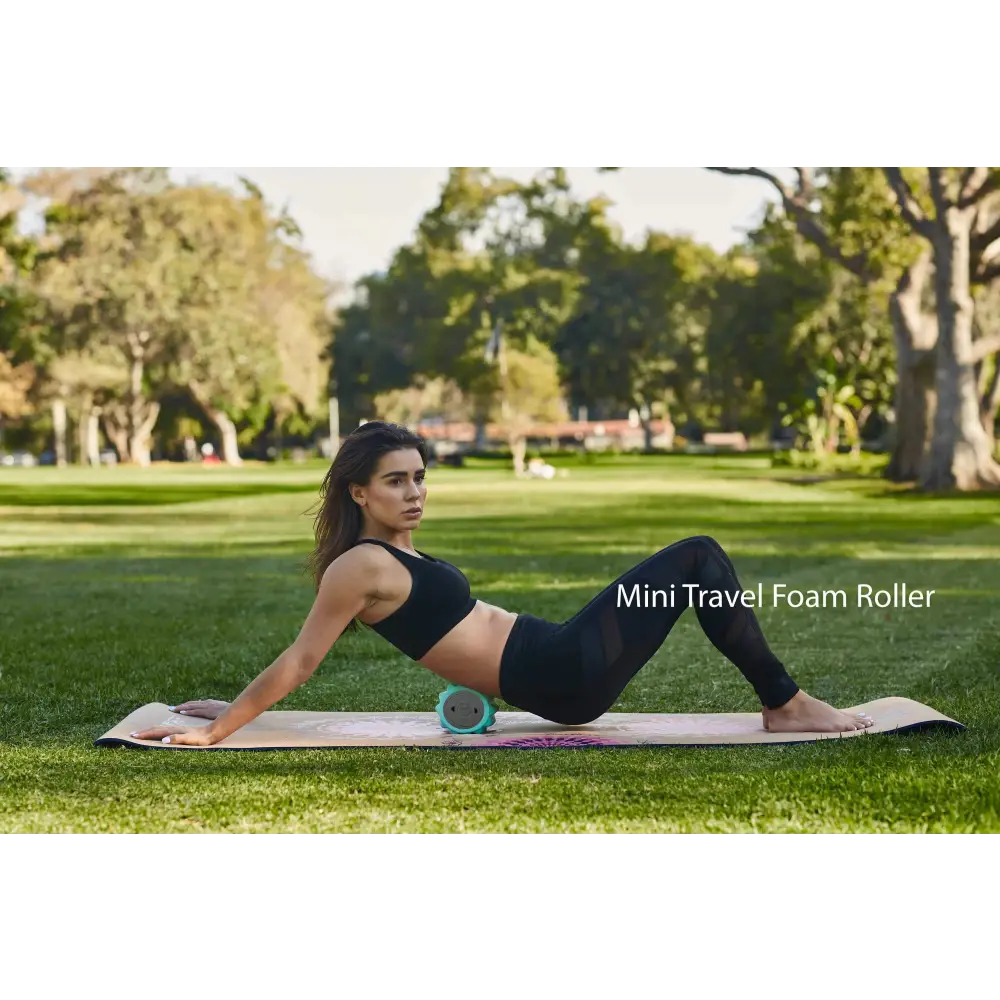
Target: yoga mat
[(304, 730)]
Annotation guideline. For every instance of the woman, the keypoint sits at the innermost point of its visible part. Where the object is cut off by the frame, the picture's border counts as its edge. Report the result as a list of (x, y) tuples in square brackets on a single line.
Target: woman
[(367, 570)]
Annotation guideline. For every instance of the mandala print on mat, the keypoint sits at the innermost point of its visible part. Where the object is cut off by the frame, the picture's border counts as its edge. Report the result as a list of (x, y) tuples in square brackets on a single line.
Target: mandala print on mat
[(527, 742)]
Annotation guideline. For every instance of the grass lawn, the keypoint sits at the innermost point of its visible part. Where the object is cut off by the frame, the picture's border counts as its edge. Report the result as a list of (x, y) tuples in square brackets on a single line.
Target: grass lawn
[(120, 587)]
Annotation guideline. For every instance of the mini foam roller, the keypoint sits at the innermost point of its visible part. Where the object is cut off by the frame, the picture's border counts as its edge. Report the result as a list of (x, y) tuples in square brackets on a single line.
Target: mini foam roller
[(462, 710)]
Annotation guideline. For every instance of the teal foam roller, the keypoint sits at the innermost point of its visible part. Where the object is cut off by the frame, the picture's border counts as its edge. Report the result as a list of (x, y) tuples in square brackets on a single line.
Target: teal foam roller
[(462, 710)]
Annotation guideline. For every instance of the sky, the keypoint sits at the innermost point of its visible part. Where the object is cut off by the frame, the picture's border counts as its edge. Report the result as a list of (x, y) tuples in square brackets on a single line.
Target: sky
[(353, 219), (355, 213)]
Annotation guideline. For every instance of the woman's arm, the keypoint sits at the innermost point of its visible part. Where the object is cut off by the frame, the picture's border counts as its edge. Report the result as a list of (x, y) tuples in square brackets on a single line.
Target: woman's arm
[(344, 591)]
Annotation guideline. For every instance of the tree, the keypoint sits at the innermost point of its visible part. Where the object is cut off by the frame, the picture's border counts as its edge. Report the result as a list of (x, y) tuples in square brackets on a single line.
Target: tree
[(479, 261), (110, 285), (252, 313), (436, 398), (82, 382), (784, 319), (961, 452), (987, 317), (188, 287), (17, 367), (489, 249), (15, 381), (847, 213), (523, 391), (955, 210), (295, 305), (636, 337)]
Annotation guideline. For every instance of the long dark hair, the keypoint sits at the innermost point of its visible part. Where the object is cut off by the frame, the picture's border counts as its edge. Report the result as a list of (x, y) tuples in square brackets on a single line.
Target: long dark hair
[(337, 524)]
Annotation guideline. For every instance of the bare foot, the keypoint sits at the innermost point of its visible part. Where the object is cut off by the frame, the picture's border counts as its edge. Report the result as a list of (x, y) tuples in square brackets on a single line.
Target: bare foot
[(206, 709), (805, 714)]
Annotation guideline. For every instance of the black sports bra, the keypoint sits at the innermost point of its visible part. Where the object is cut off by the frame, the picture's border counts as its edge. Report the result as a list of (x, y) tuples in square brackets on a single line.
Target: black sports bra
[(439, 599)]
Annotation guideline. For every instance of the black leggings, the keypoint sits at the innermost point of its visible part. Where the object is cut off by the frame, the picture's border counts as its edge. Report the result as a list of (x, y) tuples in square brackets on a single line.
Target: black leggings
[(574, 672)]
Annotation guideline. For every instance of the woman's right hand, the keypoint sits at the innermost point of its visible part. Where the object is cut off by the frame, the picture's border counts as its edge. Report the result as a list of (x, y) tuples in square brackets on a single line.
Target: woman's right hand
[(206, 709)]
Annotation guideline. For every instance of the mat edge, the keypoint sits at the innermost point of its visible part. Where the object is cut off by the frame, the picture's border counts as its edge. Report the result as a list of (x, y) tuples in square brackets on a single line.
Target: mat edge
[(117, 741)]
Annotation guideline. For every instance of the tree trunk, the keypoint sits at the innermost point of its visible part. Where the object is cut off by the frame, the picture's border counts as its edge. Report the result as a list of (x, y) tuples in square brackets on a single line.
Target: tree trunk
[(863, 415), (59, 430), (915, 395), (225, 426), (81, 431), (989, 399), (230, 443), (647, 430), (140, 439), (116, 428), (518, 449), (129, 425), (89, 442), (915, 405), (334, 406), (961, 453), (94, 438)]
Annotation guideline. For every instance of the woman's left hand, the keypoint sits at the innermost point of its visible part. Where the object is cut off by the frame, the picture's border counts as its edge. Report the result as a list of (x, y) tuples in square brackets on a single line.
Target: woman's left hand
[(191, 736)]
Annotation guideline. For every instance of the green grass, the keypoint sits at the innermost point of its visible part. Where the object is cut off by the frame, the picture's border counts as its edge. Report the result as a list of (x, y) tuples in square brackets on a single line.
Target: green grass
[(120, 587)]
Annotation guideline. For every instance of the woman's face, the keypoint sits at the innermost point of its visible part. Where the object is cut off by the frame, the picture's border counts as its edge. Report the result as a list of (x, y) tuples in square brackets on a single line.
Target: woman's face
[(396, 493)]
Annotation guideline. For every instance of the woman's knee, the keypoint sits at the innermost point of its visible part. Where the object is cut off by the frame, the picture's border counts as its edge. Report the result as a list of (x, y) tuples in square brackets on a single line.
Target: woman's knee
[(691, 552), (703, 541), (709, 546), (703, 556)]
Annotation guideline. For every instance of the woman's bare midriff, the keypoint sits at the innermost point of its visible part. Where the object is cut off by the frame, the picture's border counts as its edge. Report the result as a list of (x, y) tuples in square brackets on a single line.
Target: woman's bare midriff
[(470, 653)]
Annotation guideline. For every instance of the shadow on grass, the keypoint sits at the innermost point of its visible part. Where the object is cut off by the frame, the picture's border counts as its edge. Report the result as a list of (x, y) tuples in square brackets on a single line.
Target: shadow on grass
[(164, 514), (913, 493), (641, 524), (153, 495), (246, 561)]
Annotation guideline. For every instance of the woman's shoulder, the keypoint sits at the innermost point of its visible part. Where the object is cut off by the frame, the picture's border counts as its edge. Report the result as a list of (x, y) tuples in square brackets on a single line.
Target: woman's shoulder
[(359, 557)]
